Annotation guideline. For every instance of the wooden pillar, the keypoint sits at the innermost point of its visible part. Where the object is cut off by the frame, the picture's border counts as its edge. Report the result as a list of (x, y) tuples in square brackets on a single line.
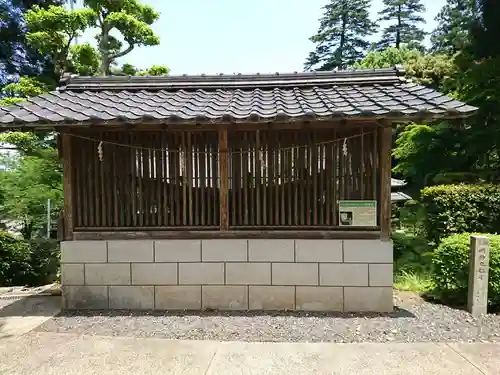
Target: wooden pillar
[(385, 155), (224, 179), (67, 186)]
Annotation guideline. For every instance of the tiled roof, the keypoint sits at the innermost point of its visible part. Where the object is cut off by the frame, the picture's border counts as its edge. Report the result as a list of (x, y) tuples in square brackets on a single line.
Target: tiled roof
[(378, 94)]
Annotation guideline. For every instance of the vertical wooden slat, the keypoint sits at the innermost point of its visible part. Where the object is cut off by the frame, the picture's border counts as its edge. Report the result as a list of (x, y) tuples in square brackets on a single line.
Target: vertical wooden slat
[(215, 176), (67, 144), (160, 197), (184, 179), (375, 162), (77, 178), (276, 168), (146, 178), (302, 181), (335, 195), (189, 186), (258, 177), (265, 177), (283, 175), (85, 173), (246, 184), (321, 182), (362, 179), (196, 170), (165, 181), (290, 176), (296, 178), (314, 169), (203, 177), (251, 198), (223, 194), (385, 180), (116, 179), (177, 153)]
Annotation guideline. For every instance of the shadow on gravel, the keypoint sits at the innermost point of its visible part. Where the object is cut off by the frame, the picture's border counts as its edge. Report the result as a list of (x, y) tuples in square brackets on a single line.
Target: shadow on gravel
[(29, 306), (396, 314)]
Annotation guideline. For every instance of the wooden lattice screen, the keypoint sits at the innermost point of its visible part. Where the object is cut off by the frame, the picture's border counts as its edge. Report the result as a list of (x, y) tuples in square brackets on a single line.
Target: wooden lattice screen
[(172, 180)]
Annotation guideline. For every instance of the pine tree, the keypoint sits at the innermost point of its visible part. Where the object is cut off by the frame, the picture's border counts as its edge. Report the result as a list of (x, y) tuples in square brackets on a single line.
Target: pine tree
[(454, 22), (485, 30), (405, 16), (342, 36)]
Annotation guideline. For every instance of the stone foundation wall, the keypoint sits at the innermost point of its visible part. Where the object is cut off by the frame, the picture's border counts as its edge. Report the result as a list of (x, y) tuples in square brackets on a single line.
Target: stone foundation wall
[(255, 274)]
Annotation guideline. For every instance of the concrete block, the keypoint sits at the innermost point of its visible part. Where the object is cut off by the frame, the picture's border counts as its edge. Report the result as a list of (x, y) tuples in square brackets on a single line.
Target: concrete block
[(224, 250), (177, 251), (83, 252), (248, 273), (201, 273), (224, 297), (271, 250), (374, 299), (130, 251), (271, 297), (180, 297), (107, 274), (294, 274), (381, 275), (85, 297), (343, 274), (319, 298), (318, 251), (154, 273), (131, 297), (72, 274), (367, 251)]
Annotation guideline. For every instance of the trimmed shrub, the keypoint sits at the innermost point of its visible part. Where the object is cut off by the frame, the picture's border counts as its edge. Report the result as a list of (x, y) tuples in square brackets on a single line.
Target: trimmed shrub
[(451, 270), (27, 262), (453, 209), (15, 260), (412, 253)]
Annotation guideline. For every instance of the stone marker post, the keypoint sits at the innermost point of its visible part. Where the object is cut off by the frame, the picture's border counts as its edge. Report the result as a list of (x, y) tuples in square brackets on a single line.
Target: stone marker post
[(477, 299)]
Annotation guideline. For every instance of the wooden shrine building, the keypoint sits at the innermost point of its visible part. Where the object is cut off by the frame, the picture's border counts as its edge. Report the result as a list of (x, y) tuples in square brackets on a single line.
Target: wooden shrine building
[(229, 192)]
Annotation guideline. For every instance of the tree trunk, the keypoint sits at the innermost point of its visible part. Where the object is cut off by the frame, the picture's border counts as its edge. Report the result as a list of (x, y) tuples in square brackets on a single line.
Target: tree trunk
[(104, 49), (398, 30), (342, 43)]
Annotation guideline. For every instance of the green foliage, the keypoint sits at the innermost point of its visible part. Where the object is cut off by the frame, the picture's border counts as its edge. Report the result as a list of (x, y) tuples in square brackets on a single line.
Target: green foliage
[(453, 26), (451, 269), (404, 17), (25, 87), (342, 36), (131, 19), (427, 69), (155, 70), (128, 69), (15, 267), (27, 263), (52, 30), (452, 209), (84, 59), (413, 282)]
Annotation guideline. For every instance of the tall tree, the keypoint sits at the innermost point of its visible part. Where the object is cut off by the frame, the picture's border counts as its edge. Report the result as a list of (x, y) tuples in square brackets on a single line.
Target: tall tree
[(342, 36), (16, 57), (52, 31), (454, 22), (131, 19), (404, 17), (485, 29)]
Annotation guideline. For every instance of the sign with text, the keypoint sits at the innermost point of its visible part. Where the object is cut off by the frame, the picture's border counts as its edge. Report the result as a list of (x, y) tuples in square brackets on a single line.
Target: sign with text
[(358, 213)]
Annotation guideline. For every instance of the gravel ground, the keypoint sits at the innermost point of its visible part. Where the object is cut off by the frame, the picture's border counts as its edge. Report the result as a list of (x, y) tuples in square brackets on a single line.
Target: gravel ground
[(414, 320)]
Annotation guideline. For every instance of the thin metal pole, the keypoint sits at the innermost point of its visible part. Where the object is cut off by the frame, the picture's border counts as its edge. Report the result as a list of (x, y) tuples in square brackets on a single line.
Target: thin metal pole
[(48, 219)]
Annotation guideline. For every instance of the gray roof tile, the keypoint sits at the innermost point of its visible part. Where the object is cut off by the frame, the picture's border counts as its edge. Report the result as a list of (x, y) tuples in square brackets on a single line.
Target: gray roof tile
[(380, 93)]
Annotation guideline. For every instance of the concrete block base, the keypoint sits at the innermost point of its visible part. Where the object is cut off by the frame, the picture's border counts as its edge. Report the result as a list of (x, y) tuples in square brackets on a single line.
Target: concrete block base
[(308, 275)]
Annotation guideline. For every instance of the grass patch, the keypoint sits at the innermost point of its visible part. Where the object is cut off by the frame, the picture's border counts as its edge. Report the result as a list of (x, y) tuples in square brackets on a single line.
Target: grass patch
[(416, 282)]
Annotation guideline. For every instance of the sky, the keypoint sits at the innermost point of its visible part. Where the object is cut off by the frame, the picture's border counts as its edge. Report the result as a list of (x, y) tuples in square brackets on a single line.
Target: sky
[(237, 36)]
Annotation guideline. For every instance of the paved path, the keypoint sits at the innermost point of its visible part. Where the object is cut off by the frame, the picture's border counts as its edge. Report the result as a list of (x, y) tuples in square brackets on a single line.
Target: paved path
[(20, 314), (52, 353)]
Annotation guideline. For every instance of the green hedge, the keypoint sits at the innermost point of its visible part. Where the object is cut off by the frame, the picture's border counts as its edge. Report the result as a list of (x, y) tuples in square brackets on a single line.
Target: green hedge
[(451, 269), (453, 209), (27, 262)]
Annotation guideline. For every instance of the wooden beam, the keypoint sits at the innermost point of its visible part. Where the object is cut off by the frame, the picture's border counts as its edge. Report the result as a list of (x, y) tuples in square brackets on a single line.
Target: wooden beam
[(241, 234), (66, 144), (224, 179), (385, 166)]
